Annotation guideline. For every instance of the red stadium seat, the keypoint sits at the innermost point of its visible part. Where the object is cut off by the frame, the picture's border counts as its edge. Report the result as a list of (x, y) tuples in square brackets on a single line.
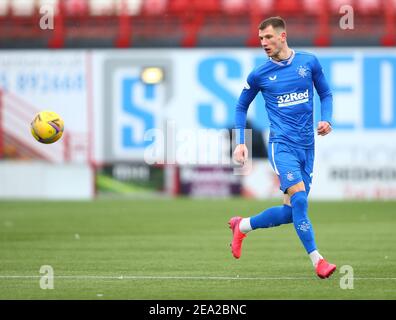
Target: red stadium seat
[(207, 6), (335, 5), (312, 7), (154, 7), (287, 6), (76, 7), (368, 6), (261, 7), (179, 6), (234, 7)]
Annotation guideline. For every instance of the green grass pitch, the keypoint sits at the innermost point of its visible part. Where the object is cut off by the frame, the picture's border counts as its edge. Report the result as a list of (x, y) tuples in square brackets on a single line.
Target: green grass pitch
[(179, 249)]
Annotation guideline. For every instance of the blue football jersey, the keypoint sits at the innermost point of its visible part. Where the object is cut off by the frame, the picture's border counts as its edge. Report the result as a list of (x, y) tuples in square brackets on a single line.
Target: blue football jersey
[(288, 90)]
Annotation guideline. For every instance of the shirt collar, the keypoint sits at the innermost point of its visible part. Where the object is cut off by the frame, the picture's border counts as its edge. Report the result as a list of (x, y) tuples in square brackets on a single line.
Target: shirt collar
[(285, 62)]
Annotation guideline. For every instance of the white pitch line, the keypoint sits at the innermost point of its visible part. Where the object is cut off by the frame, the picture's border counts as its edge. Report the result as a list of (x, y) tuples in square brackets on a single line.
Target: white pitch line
[(153, 277), (131, 277)]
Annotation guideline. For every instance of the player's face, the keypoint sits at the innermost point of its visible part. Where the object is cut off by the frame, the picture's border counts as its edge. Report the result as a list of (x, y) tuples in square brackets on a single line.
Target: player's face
[(272, 41)]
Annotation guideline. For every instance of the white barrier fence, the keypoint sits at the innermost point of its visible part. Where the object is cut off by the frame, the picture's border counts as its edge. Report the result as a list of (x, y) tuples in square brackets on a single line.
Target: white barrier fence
[(42, 180)]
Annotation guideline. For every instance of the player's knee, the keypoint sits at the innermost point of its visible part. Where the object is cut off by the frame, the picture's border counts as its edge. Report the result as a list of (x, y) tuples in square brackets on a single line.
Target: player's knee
[(298, 187), (299, 200)]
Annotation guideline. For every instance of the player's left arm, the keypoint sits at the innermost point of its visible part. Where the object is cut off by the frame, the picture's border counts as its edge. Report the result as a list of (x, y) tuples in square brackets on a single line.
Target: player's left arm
[(326, 98)]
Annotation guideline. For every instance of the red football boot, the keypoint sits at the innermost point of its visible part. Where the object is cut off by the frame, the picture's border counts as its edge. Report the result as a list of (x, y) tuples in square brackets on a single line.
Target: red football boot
[(324, 269), (237, 236)]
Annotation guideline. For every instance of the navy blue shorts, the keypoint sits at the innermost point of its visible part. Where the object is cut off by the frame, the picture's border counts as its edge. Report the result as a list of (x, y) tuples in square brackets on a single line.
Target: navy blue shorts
[(291, 165)]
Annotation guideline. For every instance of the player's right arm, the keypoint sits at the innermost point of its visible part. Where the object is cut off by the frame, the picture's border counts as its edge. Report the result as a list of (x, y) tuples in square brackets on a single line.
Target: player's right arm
[(249, 92)]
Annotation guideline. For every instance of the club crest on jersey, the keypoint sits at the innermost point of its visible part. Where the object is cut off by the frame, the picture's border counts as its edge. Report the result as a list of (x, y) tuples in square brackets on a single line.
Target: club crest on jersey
[(302, 71)]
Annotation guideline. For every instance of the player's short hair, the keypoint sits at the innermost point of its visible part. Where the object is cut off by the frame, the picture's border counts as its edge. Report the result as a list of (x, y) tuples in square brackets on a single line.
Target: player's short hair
[(275, 22)]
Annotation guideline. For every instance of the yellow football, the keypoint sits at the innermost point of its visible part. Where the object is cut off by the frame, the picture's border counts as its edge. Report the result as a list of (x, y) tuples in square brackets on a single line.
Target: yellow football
[(47, 127)]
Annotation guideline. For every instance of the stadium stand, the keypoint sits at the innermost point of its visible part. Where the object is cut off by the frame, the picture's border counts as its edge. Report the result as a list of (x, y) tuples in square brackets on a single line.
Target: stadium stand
[(191, 23)]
